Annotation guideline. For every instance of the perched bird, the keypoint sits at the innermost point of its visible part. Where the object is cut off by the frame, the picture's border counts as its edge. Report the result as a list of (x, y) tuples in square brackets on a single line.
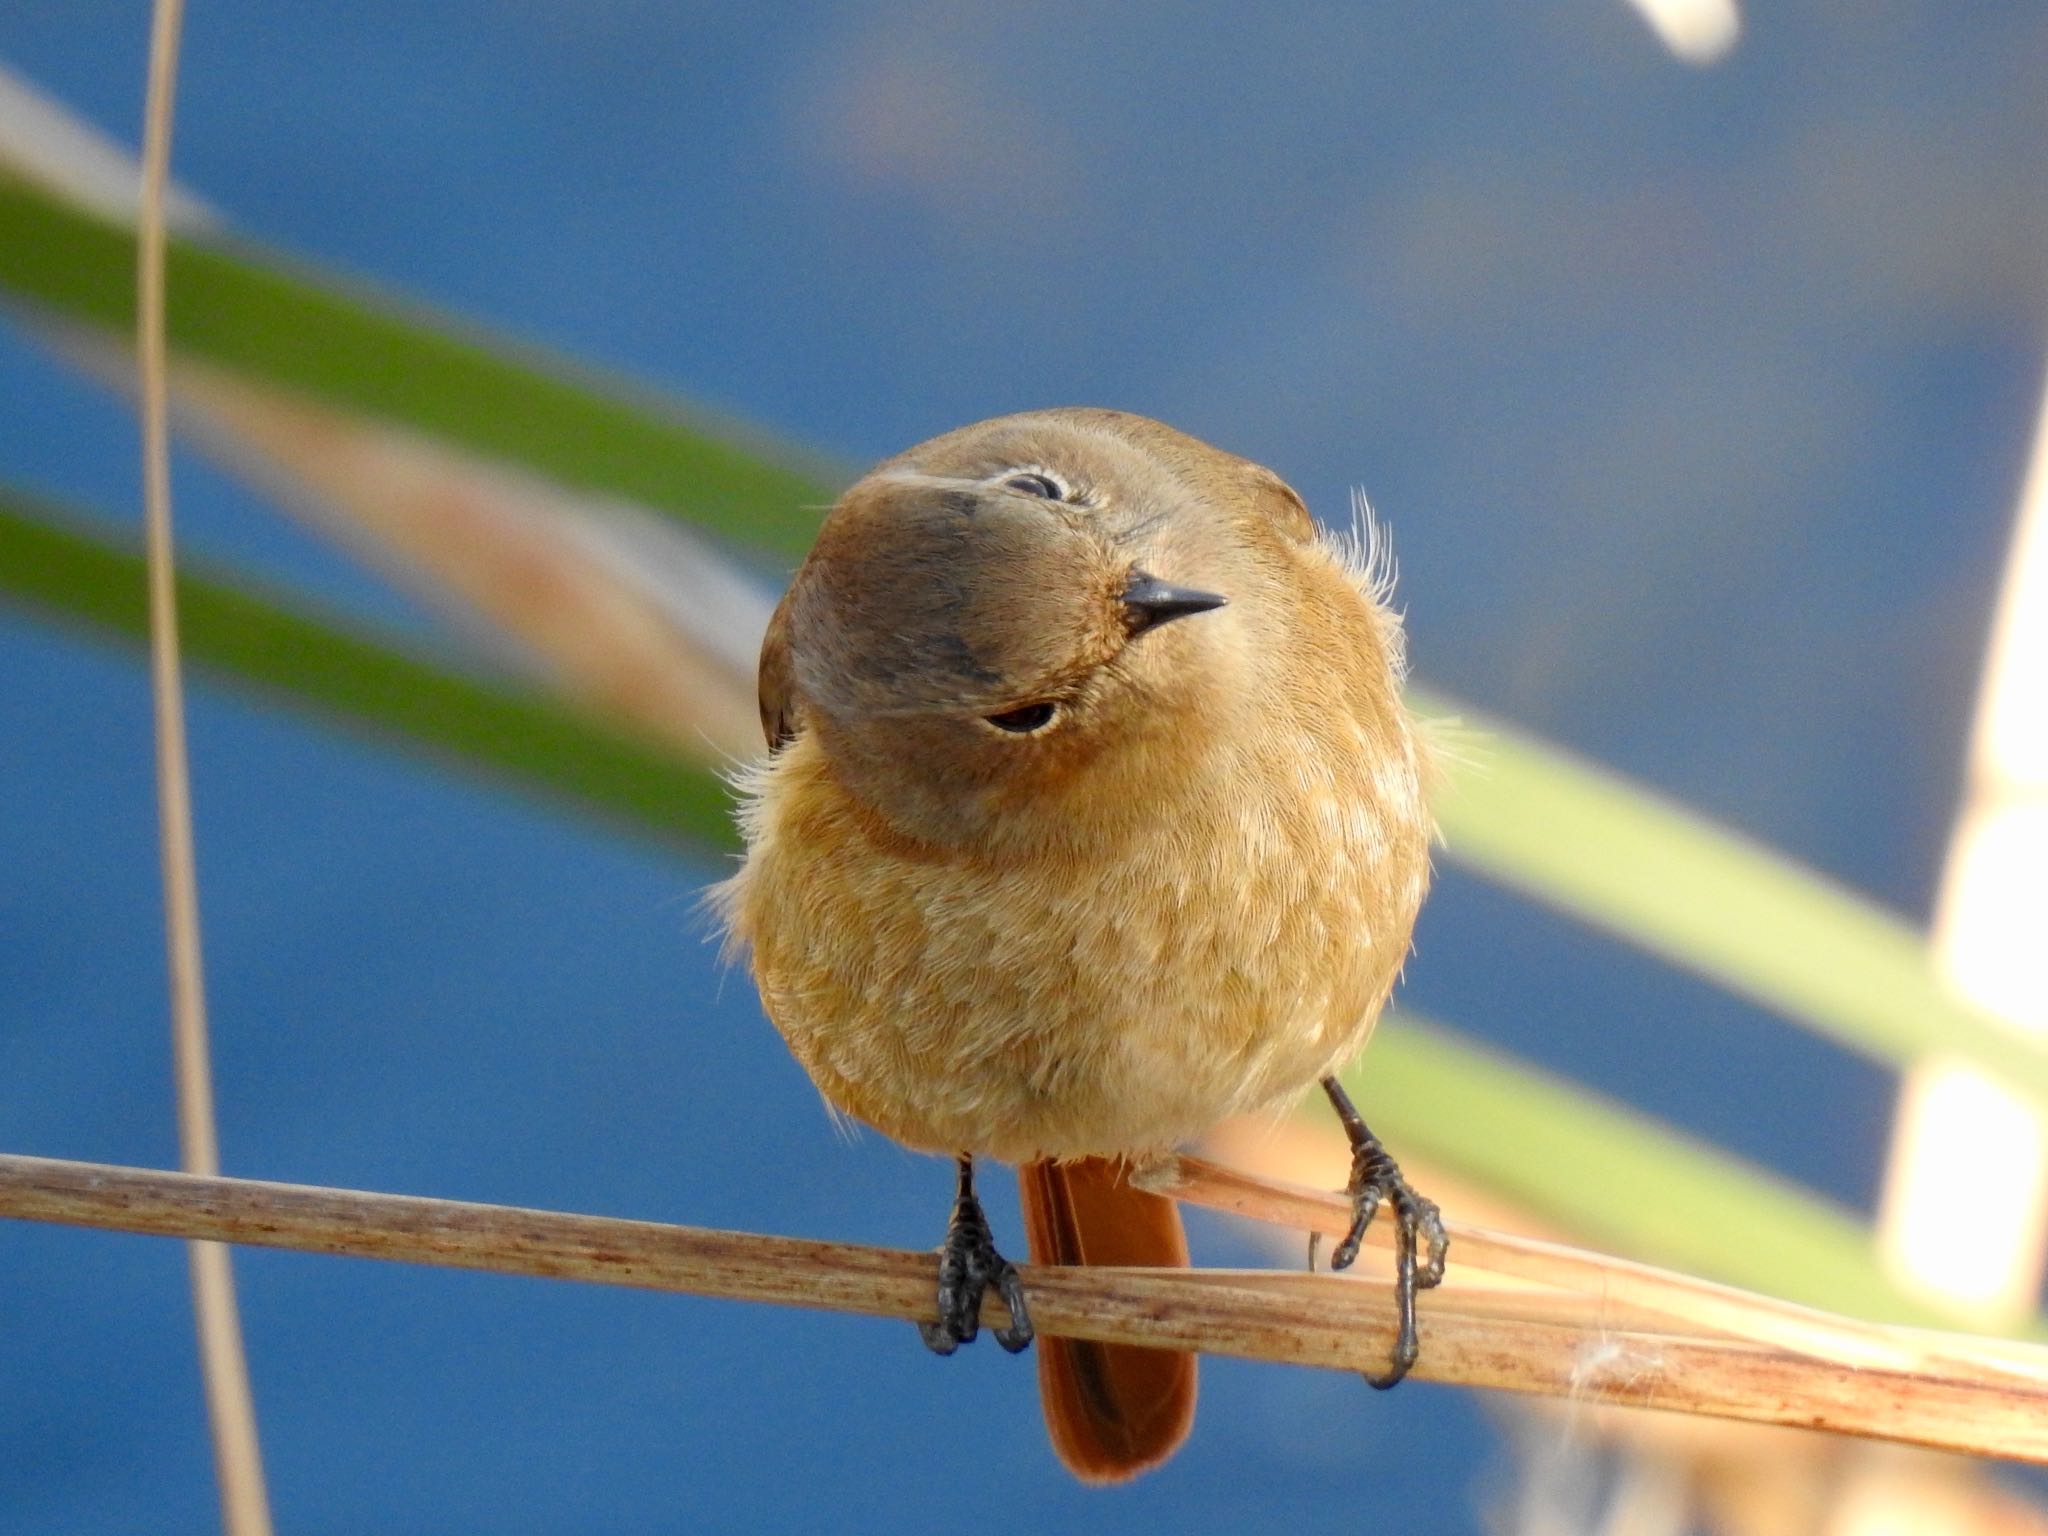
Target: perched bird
[(1093, 816)]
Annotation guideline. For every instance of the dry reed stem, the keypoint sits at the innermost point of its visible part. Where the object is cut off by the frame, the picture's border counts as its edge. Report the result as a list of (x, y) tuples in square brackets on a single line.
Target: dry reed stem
[(1599, 1289), (231, 1411), (1475, 1339), (1638, 1296), (617, 610), (620, 610)]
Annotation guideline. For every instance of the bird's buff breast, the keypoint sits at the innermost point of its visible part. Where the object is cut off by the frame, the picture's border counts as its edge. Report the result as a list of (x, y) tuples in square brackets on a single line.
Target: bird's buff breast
[(1211, 955)]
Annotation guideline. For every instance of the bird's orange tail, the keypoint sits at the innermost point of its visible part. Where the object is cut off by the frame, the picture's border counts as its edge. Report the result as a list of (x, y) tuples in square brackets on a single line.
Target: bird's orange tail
[(1113, 1409)]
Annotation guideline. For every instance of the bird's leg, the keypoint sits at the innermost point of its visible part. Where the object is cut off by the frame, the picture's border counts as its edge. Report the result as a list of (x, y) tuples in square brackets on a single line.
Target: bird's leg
[(1375, 1176), (968, 1266)]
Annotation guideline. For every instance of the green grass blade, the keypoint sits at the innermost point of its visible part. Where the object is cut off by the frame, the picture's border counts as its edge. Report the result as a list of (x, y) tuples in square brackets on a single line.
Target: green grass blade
[(51, 562), (1588, 842), (1615, 1178), (247, 311)]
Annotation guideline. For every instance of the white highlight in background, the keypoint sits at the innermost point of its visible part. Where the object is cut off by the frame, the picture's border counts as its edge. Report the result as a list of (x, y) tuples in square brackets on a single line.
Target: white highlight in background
[(1965, 1214), (1697, 31), (1964, 1217)]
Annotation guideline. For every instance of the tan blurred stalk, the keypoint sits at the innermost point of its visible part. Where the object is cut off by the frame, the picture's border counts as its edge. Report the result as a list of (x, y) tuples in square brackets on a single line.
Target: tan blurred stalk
[(50, 146), (1584, 1467), (1545, 1276), (622, 611)]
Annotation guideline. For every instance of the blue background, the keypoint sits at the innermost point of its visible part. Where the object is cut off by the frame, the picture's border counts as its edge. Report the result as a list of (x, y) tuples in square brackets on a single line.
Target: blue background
[(1697, 402)]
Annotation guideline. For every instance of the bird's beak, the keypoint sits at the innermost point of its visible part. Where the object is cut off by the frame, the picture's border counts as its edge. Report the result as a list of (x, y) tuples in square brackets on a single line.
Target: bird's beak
[(1148, 601)]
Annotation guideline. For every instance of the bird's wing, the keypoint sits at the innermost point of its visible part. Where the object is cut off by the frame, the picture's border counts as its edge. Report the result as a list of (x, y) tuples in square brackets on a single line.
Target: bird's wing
[(779, 718)]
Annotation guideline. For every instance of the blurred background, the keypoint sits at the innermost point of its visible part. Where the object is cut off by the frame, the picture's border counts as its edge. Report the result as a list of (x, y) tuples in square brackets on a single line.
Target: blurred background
[(1697, 398)]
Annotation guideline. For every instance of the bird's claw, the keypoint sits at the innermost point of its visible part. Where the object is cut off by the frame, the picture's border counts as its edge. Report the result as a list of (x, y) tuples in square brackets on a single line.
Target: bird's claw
[(1376, 1177), (968, 1266)]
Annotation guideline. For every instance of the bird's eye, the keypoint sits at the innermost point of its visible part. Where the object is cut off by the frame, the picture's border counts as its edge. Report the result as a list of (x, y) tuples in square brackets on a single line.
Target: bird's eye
[(1025, 718), (1035, 484)]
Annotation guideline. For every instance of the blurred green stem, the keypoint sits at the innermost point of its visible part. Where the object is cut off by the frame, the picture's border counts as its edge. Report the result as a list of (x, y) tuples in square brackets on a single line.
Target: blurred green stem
[(55, 563)]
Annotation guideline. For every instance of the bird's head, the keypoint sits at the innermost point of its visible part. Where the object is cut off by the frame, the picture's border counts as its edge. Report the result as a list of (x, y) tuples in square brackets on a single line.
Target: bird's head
[(988, 614)]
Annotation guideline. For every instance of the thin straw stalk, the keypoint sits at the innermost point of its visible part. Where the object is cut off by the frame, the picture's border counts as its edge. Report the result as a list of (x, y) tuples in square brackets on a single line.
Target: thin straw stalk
[(231, 1410)]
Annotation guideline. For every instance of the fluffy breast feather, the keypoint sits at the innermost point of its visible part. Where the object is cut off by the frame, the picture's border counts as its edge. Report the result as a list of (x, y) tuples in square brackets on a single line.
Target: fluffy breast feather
[(1223, 933)]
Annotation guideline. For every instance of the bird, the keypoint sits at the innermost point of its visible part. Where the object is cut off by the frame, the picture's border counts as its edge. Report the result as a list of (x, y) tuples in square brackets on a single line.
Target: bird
[(1093, 815)]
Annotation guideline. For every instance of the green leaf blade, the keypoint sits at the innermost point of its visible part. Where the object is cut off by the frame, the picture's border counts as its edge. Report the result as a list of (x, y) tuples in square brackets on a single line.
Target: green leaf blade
[(250, 312), (49, 560), (1589, 843)]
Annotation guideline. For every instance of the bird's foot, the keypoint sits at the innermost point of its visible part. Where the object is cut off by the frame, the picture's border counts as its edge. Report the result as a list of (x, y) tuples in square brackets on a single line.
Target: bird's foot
[(1419, 1225), (1376, 1178), (968, 1266)]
